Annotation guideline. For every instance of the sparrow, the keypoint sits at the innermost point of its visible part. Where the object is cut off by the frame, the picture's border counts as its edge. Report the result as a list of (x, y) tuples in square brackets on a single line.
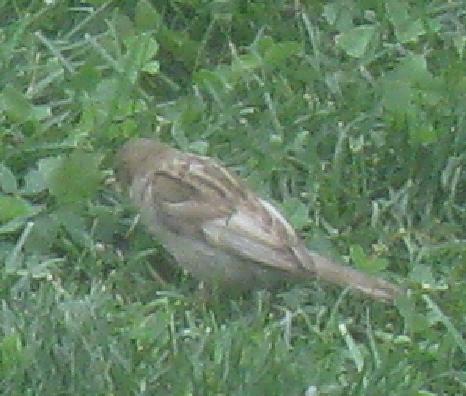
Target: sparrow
[(218, 229)]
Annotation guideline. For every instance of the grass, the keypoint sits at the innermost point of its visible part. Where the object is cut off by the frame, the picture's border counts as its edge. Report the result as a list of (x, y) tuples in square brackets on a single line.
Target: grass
[(349, 115)]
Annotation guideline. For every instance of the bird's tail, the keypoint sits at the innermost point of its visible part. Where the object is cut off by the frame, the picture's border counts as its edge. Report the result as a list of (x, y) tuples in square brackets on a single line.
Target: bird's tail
[(345, 276)]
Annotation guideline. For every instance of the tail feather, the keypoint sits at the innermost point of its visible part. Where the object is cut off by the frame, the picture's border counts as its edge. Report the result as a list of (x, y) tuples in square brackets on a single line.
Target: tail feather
[(345, 276)]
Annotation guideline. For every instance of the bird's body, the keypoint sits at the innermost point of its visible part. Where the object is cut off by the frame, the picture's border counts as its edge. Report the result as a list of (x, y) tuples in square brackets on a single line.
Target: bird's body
[(217, 228)]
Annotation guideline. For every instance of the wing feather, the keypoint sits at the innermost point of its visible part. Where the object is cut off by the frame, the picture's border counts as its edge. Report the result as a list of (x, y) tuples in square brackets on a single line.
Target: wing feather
[(256, 233), (219, 234)]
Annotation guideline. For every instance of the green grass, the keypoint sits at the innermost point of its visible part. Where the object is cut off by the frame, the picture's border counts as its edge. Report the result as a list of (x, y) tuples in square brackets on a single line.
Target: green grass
[(349, 115)]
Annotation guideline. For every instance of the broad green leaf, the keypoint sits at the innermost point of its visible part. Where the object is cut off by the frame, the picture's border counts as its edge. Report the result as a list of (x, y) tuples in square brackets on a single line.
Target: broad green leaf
[(423, 133), (211, 79), (86, 78), (296, 212), (180, 45), (413, 70), (18, 108), (397, 95), (72, 178), (141, 51), (330, 13), (143, 47), (11, 352), (146, 16), (12, 225), (199, 147), (215, 82), (123, 25), (75, 226), (279, 53), (459, 41), (34, 183), (151, 67), (246, 63), (42, 235), (15, 104), (355, 41), (357, 254), (367, 263), (12, 207), (407, 29), (422, 274), (7, 180), (414, 320), (105, 223)]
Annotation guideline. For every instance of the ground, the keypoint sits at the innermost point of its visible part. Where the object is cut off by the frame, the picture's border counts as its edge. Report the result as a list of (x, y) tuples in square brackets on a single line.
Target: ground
[(349, 116)]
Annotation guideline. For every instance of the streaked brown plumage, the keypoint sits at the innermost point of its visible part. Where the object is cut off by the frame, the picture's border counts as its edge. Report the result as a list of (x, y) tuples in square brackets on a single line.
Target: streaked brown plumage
[(218, 229)]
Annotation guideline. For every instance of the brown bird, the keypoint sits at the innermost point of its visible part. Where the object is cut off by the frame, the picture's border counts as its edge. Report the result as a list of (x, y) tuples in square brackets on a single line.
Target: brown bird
[(218, 229)]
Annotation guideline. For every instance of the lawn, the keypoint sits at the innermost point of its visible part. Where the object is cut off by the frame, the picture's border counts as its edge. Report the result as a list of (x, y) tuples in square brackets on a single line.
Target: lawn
[(349, 115)]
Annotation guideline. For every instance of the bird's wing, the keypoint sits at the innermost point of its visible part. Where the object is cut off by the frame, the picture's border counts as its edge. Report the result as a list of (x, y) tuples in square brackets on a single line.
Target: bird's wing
[(258, 232), (196, 195), (189, 190)]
